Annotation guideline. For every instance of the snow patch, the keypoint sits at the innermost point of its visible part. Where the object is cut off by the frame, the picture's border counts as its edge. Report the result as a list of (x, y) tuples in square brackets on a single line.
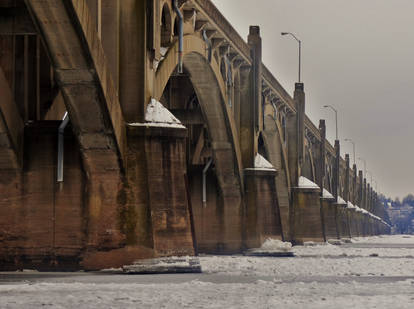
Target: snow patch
[(261, 162), (159, 116), (340, 200), (173, 264), (350, 205), (306, 183), (327, 194), (271, 244)]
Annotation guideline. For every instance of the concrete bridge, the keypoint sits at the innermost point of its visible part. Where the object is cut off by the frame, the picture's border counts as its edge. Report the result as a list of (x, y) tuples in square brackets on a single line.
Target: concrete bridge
[(176, 139)]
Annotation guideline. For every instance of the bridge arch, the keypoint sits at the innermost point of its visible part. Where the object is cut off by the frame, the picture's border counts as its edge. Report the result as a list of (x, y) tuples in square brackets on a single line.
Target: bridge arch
[(277, 155), (202, 83)]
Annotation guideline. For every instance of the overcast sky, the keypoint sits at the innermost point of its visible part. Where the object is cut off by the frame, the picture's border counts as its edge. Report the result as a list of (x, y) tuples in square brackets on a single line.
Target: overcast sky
[(358, 55)]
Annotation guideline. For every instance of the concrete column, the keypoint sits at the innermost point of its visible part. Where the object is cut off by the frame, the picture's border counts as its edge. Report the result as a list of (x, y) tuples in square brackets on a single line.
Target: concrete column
[(262, 212), (364, 194), (296, 135), (251, 99), (320, 172), (255, 42), (336, 170), (354, 185), (299, 97), (133, 67), (247, 132), (110, 36), (369, 200), (346, 185), (360, 189), (94, 11), (156, 173)]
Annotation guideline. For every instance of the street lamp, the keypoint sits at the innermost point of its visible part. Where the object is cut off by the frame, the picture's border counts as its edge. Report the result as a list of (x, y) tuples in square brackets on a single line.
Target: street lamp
[(336, 117), (365, 165), (300, 49), (353, 145)]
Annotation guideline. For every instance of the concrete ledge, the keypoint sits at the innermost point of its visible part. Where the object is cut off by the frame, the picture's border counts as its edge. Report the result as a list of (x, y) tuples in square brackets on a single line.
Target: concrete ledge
[(147, 130), (305, 190), (260, 172)]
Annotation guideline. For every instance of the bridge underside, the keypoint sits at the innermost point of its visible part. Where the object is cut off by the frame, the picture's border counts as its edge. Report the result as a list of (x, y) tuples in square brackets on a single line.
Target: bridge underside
[(135, 183)]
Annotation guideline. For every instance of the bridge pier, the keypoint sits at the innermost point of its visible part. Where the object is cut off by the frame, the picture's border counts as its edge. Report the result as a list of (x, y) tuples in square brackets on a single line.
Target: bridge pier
[(306, 219), (165, 183), (262, 212), (353, 223), (328, 213)]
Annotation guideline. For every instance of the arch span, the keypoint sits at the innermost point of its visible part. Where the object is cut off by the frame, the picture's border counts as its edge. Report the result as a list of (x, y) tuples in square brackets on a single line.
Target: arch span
[(210, 91), (272, 138)]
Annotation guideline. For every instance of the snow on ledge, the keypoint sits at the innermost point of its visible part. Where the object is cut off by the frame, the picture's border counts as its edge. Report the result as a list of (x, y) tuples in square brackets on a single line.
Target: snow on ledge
[(261, 164), (358, 209), (158, 116), (327, 194), (350, 205), (340, 200), (305, 183)]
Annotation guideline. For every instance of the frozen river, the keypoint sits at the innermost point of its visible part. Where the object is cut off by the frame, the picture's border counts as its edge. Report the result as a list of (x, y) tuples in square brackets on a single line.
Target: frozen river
[(375, 272)]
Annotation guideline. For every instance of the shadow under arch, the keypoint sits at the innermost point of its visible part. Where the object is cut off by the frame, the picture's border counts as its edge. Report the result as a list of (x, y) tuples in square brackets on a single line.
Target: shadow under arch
[(276, 154)]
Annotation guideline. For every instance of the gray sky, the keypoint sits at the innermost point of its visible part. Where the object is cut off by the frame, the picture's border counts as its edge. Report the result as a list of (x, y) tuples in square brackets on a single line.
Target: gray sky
[(358, 55)]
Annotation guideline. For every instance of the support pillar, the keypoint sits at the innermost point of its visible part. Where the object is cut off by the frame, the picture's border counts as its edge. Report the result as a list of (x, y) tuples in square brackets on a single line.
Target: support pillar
[(262, 215), (364, 194), (251, 119), (296, 135), (335, 191), (133, 65), (110, 10), (354, 197), (346, 185), (321, 167), (360, 189), (163, 170)]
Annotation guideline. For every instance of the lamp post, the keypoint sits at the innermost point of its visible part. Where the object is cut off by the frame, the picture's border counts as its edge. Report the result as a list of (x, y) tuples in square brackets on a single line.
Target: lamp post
[(365, 165), (300, 50), (353, 145), (336, 117)]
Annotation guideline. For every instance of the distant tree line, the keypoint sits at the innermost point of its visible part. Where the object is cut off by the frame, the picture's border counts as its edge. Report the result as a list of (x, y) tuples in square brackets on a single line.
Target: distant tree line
[(400, 213)]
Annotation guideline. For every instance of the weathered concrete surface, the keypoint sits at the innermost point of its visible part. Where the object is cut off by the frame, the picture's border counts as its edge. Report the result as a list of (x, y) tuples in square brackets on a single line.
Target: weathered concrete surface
[(342, 221), (329, 218), (167, 198), (262, 214), (306, 221), (43, 223), (11, 128)]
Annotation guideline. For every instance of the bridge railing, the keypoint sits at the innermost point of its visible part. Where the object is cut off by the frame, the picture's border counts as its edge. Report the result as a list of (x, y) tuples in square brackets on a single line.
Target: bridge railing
[(231, 35), (240, 45)]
